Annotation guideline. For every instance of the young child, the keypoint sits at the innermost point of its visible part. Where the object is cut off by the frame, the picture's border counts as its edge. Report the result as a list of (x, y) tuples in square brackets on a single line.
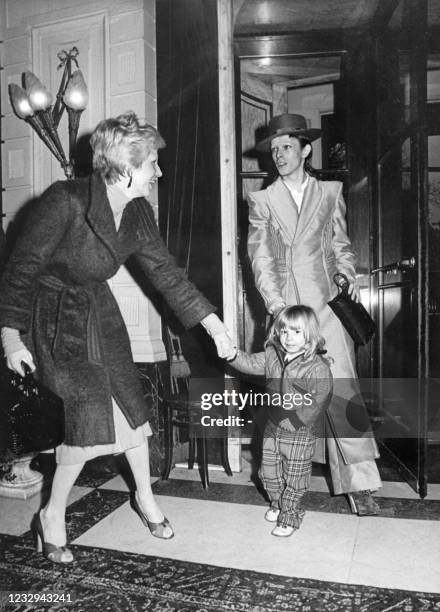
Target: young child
[(300, 385)]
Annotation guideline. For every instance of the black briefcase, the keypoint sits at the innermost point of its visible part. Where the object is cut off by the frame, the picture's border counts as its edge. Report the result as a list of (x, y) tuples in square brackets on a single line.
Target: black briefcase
[(31, 416), (352, 315)]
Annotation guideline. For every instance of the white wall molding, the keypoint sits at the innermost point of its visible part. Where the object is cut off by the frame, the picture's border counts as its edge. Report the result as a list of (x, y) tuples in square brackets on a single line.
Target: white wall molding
[(34, 31)]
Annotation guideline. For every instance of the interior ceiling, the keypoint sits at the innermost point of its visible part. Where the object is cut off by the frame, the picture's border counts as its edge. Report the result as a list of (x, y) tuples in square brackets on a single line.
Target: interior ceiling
[(260, 17), (300, 15), (292, 71), (266, 16)]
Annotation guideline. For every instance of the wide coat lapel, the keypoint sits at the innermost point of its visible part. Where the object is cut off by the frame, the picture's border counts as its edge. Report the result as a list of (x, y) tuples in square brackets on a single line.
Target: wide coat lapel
[(100, 217), (284, 209), (312, 199)]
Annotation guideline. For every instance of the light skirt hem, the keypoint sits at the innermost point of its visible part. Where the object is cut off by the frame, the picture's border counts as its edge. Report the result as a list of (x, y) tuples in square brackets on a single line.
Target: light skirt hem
[(125, 438)]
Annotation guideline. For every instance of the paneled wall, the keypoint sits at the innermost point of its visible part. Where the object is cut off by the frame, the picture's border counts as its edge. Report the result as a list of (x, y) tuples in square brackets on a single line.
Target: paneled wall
[(116, 40)]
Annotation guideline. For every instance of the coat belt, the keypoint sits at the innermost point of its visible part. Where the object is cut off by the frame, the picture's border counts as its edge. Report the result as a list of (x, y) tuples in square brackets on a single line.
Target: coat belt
[(94, 352)]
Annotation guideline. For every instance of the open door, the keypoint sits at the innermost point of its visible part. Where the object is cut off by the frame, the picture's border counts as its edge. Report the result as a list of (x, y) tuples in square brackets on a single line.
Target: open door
[(311, 83), (400, 257), (378, 83)]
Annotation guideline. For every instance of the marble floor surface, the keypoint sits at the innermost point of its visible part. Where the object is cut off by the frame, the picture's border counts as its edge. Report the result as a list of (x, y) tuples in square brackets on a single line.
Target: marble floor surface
[(224, 526)]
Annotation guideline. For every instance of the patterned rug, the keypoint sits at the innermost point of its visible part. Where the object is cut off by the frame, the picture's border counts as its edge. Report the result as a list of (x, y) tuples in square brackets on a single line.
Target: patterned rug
[(104, 580)]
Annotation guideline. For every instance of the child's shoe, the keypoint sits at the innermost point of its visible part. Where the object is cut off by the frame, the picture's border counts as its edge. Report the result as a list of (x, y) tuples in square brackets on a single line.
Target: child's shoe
[(272, 515), (283, 531)]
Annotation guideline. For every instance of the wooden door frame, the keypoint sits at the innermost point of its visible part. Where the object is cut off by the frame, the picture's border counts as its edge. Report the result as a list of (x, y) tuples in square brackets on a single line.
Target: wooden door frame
[(228, 187)]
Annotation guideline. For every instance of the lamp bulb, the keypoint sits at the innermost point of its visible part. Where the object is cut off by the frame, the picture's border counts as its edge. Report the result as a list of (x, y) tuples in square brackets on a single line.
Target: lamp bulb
[(40, 98), (20, 101), (76, 95)]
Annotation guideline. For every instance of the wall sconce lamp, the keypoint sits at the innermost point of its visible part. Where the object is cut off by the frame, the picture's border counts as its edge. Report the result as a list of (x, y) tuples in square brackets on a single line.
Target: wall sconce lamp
[(33, 104)]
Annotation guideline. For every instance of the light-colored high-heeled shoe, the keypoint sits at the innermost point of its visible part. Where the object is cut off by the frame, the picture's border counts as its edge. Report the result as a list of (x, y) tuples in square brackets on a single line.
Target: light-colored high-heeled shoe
[(362, 503), (56, 554), (158, 530)]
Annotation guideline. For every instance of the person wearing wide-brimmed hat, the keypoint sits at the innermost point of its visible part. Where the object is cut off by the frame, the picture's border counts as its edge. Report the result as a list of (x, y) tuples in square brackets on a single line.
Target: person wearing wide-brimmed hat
[(297, 242)]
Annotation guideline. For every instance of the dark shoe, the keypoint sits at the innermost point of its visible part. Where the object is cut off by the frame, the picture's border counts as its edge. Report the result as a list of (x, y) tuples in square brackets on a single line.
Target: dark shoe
[(362, 503), (57, 554), (156, 529)]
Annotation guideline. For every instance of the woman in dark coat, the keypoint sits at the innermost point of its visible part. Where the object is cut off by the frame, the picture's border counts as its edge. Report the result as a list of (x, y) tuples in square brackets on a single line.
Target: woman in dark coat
[(59, 315)]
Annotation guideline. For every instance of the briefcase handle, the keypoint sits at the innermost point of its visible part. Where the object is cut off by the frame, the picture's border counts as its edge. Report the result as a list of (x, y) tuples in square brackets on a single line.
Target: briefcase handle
[(342, 282), (25, 383)]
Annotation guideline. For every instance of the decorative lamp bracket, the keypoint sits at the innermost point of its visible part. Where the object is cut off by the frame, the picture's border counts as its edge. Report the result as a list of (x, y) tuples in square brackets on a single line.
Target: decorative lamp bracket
[(33, 104)]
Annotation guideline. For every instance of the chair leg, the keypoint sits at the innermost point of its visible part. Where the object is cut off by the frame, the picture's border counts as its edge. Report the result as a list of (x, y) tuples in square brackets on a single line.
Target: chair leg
[(202, 457), (224, 455), (168, 435), (191, 453)]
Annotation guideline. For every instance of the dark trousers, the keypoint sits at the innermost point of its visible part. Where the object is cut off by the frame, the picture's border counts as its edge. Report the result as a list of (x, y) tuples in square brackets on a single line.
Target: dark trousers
[(286, 470)]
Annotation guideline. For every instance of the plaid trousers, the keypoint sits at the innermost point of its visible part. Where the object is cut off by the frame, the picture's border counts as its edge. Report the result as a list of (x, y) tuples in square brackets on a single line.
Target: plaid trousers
[(286, 470)]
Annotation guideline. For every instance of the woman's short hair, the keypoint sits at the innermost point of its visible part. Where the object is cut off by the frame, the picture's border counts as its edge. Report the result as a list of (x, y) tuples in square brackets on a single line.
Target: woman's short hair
[(305, 318), (122, 143)]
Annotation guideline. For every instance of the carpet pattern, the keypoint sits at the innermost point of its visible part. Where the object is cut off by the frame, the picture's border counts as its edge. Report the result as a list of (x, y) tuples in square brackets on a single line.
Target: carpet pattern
[(87, 511), (101, 579), (105, 580)]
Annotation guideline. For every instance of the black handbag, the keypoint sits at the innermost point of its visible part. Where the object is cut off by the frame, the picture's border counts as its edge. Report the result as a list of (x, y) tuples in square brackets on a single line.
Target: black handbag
[(352, 315), (31, 416)]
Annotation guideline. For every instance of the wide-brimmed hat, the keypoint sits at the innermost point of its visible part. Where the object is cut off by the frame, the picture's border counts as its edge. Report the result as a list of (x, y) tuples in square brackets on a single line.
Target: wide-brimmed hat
[(295, 125)]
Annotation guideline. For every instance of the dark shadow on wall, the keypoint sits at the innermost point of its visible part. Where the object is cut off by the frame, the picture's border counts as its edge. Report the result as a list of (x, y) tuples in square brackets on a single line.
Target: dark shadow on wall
[(82, 156)]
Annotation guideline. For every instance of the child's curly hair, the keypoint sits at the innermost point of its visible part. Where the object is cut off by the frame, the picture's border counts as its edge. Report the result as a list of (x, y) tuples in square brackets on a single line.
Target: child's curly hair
[(305, 318)]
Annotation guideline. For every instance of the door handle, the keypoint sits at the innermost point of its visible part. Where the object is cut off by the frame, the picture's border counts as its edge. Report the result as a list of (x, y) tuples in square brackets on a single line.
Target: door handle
[(404, 265)]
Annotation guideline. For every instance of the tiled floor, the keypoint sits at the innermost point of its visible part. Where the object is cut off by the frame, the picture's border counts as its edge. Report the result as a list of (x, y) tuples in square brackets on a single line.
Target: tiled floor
[(224, 526)]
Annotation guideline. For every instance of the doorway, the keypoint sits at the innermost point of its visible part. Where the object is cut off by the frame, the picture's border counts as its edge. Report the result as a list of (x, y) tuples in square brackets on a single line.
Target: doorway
[(375, 142), (312, 85)]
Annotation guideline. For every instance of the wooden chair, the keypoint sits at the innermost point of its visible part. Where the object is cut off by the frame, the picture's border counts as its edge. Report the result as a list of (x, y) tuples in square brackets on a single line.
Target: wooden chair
[(180, 412)]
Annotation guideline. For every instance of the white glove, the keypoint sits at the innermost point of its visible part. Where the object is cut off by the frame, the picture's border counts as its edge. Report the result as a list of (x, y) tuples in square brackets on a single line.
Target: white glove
[(218, 331), (16, 351), (225, 346)]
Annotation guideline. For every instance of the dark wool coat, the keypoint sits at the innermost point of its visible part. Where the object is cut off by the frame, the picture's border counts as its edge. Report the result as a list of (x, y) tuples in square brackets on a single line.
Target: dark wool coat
[(54, 291), (297, 376)]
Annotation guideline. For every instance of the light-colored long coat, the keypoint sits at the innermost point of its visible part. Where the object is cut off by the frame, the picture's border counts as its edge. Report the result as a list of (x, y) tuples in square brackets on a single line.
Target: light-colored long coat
[(294, 257)]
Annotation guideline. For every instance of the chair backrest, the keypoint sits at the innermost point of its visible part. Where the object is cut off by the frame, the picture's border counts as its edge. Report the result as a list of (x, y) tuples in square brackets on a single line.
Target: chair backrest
[(179, 367)]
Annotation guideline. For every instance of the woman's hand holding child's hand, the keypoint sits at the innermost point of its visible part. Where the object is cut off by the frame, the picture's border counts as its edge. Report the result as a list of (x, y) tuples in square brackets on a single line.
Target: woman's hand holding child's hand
[(225, 346), (218, 331)]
